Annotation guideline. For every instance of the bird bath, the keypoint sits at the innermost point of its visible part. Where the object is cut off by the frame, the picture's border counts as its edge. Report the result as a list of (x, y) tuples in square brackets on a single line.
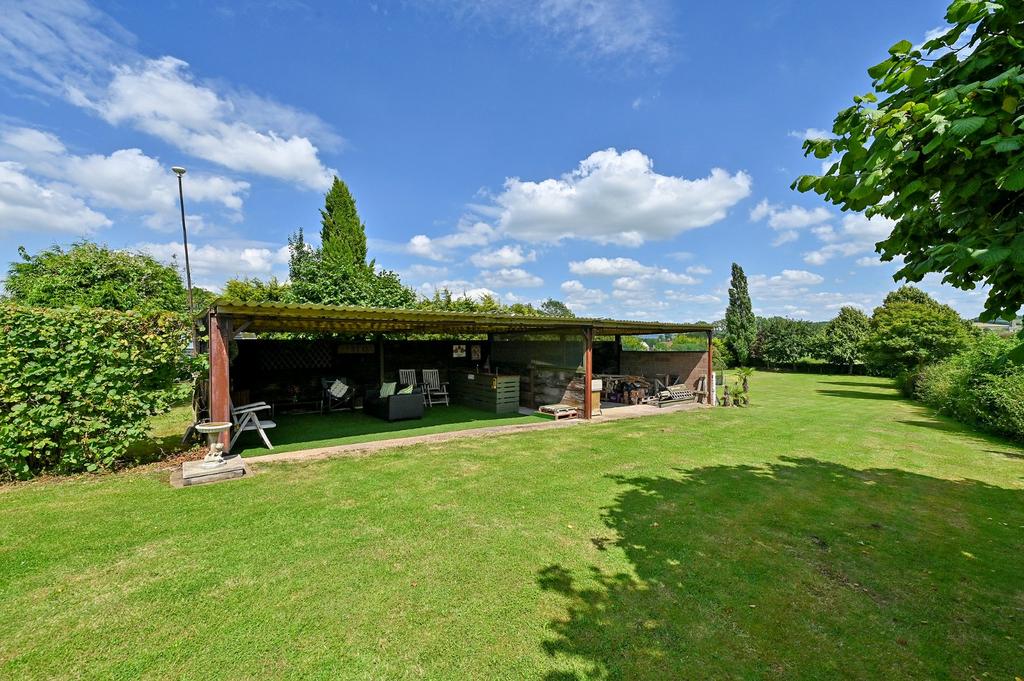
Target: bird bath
[(214, 457)]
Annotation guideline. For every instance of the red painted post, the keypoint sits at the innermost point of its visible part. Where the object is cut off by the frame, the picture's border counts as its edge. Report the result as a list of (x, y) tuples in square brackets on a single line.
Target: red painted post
[(588, 374), (711, 372), (220, 382)]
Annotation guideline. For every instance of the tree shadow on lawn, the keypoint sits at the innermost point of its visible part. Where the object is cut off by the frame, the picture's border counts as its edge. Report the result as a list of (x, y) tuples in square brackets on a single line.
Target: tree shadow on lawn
[(945, 424), (860, 384), (860, 394), (802, 569)]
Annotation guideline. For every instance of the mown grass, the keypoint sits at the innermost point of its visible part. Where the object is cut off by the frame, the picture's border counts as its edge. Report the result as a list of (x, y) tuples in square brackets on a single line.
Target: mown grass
[(295, 432), (830, 530)]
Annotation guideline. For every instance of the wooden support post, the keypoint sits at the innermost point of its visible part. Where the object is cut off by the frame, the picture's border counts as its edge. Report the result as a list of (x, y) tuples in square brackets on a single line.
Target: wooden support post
[(710, 387), (618, 354), (220, 376), (588, 373), (380, 358)]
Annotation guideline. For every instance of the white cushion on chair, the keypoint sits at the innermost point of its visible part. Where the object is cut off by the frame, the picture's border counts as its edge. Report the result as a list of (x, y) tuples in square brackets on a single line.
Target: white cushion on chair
[(338, 389)]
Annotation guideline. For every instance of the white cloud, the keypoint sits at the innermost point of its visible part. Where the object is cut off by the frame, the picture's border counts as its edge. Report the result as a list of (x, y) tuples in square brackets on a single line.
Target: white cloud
[(420, 272), (126, 179), (629, 271), (615, 198), (698, 270), (868, 261), (73, 51), (219, 263), (506, 256), (613, 31), (787, 286), (810, 134), (857, 235), (203, 123), (607, 267), (130, 180), (510, 276), (468, 234), (28, 205), (785, 237), (792, 218), (579, 297)]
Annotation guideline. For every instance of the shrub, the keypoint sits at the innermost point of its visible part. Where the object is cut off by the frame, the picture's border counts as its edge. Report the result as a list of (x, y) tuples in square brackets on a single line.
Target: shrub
[(981, 386), (77, 385)]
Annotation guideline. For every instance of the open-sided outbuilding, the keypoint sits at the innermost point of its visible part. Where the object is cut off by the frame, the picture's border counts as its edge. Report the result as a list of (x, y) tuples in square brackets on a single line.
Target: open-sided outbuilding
[(506, 340)]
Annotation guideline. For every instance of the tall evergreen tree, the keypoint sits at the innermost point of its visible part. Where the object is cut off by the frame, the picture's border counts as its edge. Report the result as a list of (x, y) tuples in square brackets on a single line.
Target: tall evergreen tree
[(740, 324), (342, 233)]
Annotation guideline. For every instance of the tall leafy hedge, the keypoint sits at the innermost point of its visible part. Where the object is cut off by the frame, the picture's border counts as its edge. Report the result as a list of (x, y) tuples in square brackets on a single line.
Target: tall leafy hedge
[(982, 386), (77, 385)]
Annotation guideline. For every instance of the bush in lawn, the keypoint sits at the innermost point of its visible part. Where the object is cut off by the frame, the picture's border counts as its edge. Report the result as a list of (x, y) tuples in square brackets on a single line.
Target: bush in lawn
[(982, 386), (77, 385)]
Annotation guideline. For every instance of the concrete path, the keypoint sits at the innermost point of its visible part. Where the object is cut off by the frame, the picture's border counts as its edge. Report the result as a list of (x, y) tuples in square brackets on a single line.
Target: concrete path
[(363, 448)]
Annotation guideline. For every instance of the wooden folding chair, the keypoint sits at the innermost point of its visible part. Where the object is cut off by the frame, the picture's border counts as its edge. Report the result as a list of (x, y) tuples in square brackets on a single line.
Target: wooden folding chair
[(435, 391), (246, 418)]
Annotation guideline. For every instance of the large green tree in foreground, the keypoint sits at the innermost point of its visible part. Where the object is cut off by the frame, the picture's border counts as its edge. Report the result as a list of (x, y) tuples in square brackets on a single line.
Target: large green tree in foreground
[(938, 148), (740, 323), (91, 275)]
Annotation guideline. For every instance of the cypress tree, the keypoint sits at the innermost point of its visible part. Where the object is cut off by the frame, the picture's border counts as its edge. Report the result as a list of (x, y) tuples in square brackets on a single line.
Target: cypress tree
[(740, 323), (342, 233)]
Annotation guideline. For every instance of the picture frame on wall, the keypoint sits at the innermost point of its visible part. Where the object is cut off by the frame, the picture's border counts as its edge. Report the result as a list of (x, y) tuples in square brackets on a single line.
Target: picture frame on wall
[(458, 351), (474, 353)]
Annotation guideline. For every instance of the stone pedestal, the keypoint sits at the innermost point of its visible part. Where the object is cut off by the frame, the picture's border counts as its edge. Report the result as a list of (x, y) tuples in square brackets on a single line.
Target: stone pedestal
[(193, 472)]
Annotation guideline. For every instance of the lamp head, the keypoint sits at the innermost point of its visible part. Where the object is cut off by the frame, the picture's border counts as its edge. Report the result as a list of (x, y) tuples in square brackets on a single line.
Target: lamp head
[(178, 170)]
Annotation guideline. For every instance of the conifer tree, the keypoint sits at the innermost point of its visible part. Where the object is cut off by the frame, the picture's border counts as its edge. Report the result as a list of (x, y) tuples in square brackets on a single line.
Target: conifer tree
[(740, 324), (342, 233)]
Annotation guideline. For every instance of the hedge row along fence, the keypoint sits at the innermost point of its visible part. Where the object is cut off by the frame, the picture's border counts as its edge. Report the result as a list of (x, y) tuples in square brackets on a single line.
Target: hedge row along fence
[(77, 385)]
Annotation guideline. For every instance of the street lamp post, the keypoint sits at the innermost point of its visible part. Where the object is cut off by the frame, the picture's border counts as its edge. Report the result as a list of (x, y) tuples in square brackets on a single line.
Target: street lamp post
[(179, 171)]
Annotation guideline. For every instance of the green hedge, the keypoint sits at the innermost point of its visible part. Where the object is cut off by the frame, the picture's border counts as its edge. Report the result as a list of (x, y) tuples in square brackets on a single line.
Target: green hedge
[(78, 385), (982, 386)]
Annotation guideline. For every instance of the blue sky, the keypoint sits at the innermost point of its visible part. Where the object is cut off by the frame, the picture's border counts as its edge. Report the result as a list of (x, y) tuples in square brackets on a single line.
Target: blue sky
[(616, 155)]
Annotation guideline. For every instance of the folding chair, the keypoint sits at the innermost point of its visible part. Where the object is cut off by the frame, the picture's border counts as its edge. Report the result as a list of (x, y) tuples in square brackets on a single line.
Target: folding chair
[(436, 392), (407, 376), (332, 401), (246, 418)]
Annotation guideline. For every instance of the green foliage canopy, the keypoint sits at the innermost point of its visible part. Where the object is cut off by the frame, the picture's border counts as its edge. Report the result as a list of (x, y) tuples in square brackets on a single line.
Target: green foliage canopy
[(77, 385), (90, 275), (942, 153), (842, 339), (740, 323), (255, 290), (317, 279), (782, 341), (906, 335), (981, 386)]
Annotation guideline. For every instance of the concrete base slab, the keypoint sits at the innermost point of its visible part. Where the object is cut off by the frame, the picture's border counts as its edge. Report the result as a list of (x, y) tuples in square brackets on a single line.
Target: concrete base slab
[(193, 473)]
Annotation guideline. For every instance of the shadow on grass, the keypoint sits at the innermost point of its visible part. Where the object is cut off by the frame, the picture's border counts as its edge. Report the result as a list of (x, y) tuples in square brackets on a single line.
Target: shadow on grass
[(859, 384), (860, 394), (802, 569), (155, 448), (947, 425)]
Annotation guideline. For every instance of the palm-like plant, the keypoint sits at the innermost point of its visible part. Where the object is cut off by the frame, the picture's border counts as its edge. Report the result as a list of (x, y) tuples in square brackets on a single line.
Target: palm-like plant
[(744, 374)]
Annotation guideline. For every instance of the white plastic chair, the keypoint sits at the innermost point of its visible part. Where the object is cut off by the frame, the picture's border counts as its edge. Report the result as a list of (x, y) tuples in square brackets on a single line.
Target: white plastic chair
[(435, 391), (246, 418)]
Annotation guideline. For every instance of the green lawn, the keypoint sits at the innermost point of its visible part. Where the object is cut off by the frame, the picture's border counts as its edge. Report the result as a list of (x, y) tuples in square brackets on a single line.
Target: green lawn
[(832, 530), (306, 431)]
